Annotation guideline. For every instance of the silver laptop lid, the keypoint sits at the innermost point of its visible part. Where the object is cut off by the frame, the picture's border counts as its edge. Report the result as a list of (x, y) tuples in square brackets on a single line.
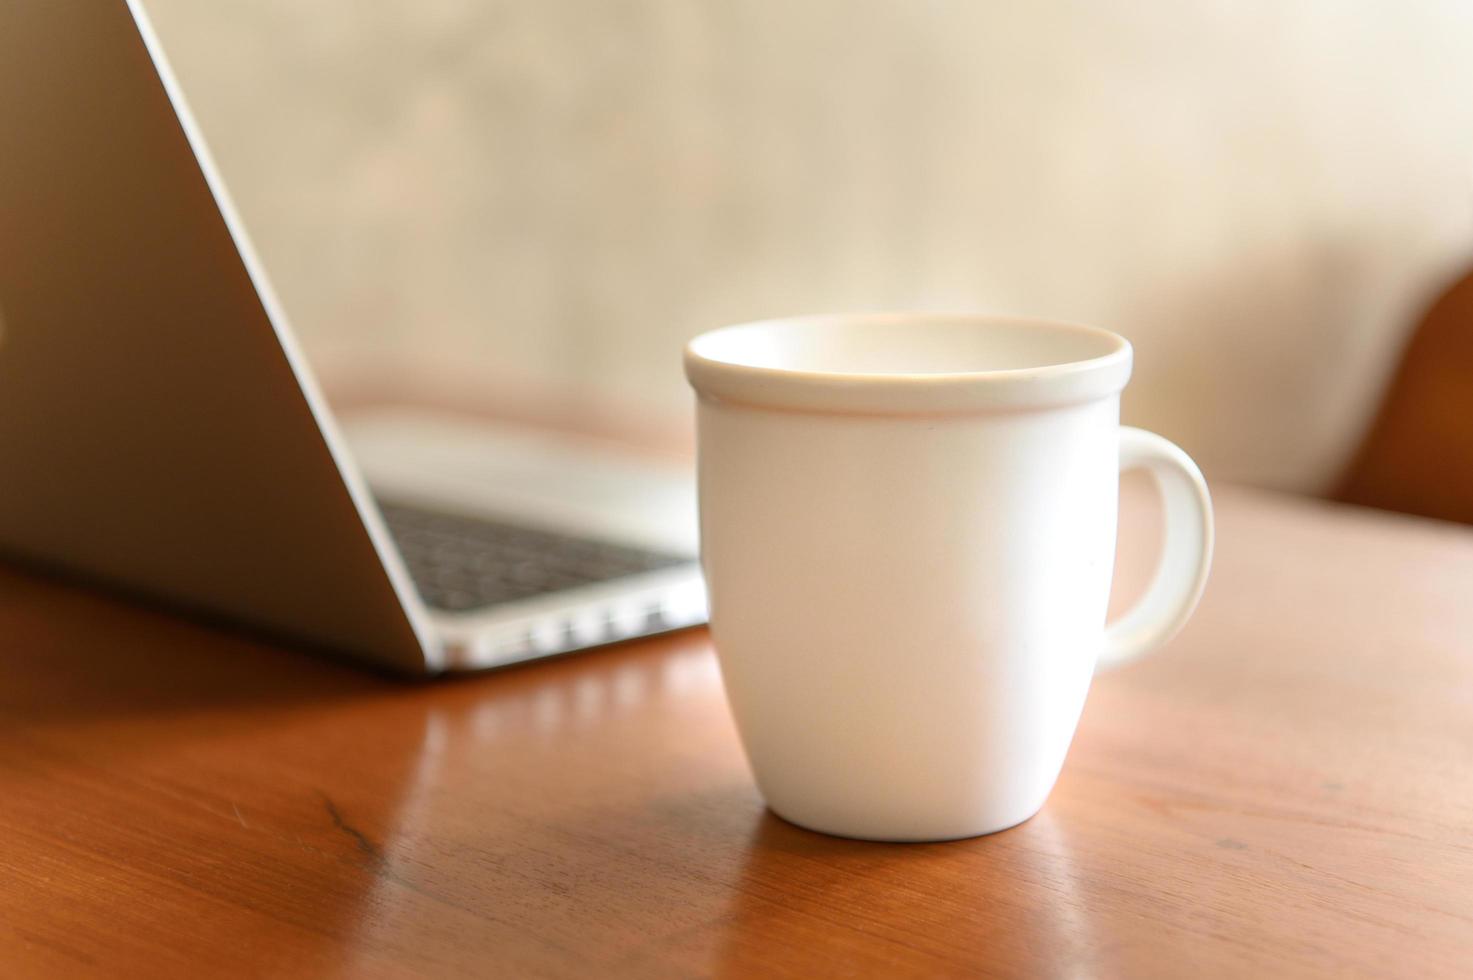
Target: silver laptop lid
[(158, 429)]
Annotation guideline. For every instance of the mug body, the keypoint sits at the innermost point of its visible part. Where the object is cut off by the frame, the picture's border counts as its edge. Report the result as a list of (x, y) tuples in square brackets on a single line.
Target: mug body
[(908, 570)]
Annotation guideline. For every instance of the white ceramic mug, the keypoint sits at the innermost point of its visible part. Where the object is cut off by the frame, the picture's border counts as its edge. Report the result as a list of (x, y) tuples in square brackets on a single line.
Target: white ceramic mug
[(908, 534)]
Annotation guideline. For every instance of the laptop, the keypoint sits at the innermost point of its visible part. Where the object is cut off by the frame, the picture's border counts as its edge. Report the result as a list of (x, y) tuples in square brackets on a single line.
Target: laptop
[(160, 431)]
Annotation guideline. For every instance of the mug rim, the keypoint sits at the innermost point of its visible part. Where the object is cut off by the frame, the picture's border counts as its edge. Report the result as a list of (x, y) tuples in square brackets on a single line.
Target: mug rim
[(938, 393)]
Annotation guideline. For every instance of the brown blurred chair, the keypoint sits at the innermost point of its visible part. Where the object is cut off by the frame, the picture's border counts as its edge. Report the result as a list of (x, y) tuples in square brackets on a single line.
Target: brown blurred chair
[(1417, 456)]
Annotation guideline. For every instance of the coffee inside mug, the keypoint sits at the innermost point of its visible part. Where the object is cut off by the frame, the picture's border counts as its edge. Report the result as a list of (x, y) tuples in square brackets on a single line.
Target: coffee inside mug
[(907, 363)]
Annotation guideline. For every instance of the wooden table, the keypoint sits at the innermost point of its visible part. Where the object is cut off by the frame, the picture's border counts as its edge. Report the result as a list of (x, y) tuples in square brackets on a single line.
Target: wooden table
[(1288, 789)]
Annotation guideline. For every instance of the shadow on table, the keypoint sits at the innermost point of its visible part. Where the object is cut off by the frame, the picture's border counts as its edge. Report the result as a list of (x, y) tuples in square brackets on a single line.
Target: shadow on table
[(817, 905), (74, 653)]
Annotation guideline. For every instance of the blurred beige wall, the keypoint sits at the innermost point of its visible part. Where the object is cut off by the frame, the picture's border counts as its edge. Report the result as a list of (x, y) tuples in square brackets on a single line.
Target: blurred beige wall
[(1261, 195)]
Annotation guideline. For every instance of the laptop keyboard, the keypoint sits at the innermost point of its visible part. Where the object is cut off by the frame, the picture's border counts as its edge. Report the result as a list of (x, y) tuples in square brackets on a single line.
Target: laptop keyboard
[(464, 563)]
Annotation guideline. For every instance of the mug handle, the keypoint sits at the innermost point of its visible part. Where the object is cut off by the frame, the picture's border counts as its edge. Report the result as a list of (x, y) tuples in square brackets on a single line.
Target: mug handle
[(1186, 554)]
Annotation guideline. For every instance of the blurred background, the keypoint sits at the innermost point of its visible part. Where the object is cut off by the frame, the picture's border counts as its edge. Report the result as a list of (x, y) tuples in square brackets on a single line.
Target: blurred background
[(526, 208)]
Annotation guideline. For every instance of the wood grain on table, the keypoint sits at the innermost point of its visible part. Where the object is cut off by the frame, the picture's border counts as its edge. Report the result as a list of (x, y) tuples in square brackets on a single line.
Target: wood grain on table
[(1286, 790)]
